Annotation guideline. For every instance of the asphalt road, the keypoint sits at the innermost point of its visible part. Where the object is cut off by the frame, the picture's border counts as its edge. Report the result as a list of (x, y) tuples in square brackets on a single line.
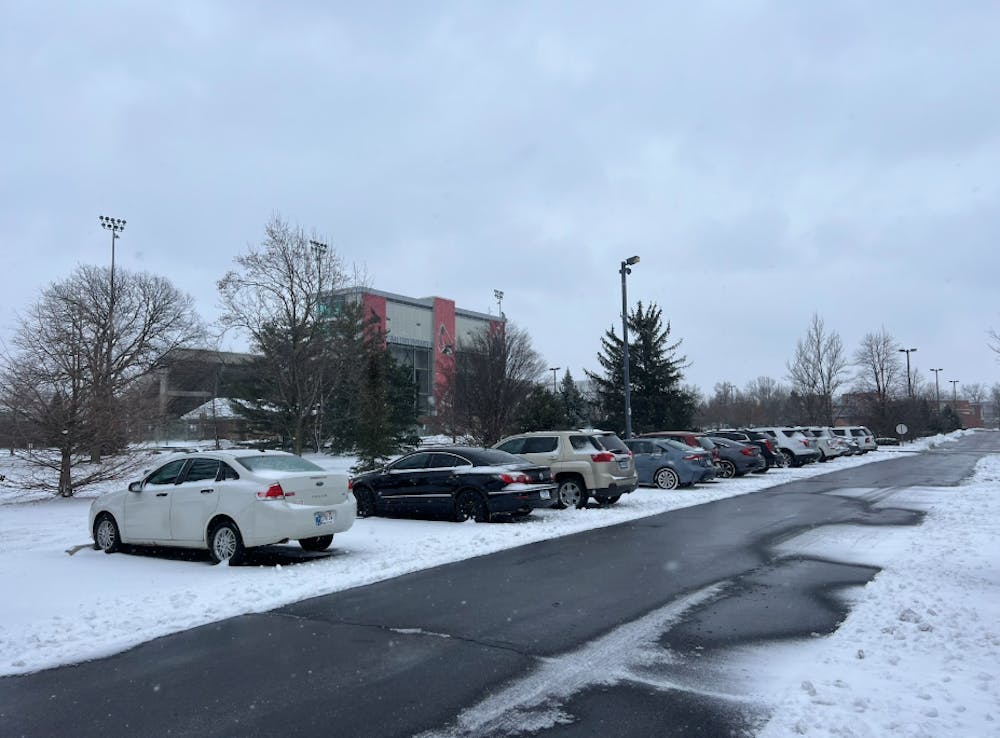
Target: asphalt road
[(600, 633)]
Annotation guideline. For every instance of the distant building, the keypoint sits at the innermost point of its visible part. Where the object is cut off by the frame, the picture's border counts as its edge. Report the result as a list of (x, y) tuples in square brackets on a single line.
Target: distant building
[(421, 333)]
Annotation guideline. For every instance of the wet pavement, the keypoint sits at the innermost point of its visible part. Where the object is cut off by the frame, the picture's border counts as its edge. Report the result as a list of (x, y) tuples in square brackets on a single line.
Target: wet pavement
[(592, 634)]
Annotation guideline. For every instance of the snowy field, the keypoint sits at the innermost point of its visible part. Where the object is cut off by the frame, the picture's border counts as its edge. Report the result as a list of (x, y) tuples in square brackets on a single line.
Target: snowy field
[(916, 657)]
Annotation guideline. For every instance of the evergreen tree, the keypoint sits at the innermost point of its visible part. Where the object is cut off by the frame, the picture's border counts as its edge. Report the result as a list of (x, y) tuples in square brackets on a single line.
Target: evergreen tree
[(541, 410), (387, 405), (575, 408), (655, 372)]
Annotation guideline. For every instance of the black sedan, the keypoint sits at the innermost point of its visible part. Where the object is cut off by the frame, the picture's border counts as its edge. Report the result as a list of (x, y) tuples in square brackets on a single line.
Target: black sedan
[(460, 482)]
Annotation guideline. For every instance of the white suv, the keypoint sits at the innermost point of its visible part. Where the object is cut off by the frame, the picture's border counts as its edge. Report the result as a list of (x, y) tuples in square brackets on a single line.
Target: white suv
[(793, 444), (864, 437), (827, 443), (585, 463)]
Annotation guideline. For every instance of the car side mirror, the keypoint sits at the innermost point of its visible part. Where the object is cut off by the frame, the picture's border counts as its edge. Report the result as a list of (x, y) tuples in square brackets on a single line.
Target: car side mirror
[(135, 487)]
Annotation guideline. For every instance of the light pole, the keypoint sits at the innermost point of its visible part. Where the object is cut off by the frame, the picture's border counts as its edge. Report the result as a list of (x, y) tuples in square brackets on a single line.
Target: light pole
[(954, 392), (937, 387), (625, 271), (498, 296), (554, 369), (909, 377), (116, 226)]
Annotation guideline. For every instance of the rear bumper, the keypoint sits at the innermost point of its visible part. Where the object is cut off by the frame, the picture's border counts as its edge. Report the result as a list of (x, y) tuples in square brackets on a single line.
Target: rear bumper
[(620, 486), (522, 500), (279, 521)]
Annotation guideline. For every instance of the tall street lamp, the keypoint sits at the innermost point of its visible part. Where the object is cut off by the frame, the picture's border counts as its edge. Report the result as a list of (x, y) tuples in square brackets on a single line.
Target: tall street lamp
[(554, 369), (116, 226), (909, 377), (954, 392), (937, 387), (498, 296), (625, 271)]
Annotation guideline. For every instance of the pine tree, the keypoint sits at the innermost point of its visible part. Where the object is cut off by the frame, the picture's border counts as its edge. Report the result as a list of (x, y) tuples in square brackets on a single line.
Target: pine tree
[(576, 411), (658, 400)]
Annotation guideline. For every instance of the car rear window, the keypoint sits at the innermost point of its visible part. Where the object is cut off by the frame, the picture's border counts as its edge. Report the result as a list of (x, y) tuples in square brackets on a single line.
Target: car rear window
[(611, 442), (492, 457), (705, 442), (278, 463), (584, 443)]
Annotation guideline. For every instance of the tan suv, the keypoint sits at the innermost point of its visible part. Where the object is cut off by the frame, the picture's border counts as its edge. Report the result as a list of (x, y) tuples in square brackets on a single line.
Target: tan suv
[(585, 463)]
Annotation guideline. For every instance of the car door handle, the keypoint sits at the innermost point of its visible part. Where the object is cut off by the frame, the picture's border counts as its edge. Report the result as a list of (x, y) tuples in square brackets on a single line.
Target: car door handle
[(161, 494), (207, 491)]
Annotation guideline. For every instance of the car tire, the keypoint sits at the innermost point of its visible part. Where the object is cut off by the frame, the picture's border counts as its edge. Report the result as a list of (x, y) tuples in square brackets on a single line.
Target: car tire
[(822, 456), (728, 469), (666, 478), (470, 505), (572, 493), (225, 544), (106, 535), (789, 457), (365, 500), (317, 543)]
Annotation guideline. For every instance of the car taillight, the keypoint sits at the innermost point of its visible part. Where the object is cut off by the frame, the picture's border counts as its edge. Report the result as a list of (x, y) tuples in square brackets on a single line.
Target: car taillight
[(693, 457), (603, 456), (747, 451), (350, 484), (805, 443), (274, 492), (516, 478)]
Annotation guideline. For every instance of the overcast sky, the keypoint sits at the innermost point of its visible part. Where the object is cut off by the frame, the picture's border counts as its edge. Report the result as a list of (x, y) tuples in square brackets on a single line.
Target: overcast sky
[(767, 160)]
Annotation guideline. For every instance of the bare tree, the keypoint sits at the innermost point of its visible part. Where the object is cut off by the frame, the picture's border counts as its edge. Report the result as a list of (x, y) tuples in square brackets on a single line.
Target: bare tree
[(495, 369), (279, 294), (974, 392), (880, 374), (75, 359), (818, 371)]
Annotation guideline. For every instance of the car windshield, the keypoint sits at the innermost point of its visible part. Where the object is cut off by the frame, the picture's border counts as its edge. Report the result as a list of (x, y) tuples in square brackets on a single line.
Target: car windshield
[(275, 462)]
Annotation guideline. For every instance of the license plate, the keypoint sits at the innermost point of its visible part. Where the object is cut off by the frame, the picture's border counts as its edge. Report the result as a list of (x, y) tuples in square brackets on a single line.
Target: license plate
[(322, 518), (623, 465), (544, 494)]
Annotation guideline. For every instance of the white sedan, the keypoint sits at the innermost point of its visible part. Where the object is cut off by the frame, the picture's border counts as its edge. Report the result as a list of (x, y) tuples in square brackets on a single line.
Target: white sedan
[(227, 502)]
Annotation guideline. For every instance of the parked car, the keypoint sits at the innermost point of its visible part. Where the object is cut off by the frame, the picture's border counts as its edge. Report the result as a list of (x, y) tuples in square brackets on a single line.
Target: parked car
[(459, 482), (670, 464), (767, 445), (584, 463), (864, 437), (797, 449), (737, 459), (693, 439), (226, 502), (826, 442)]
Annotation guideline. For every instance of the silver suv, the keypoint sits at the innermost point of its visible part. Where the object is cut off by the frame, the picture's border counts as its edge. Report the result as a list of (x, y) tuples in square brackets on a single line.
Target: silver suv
[(585, 463)]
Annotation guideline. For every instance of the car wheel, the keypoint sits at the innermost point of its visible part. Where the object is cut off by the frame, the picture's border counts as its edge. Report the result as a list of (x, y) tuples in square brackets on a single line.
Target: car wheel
[(572, 493), (822, 456), (106, 535), (225, 544), (789, 457), (470, 505), (666, 478), (318, 543), (728, 469), (366, 502)]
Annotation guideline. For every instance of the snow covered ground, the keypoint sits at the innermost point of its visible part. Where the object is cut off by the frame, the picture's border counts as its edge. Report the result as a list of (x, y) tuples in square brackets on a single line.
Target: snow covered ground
[(916, 657)]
